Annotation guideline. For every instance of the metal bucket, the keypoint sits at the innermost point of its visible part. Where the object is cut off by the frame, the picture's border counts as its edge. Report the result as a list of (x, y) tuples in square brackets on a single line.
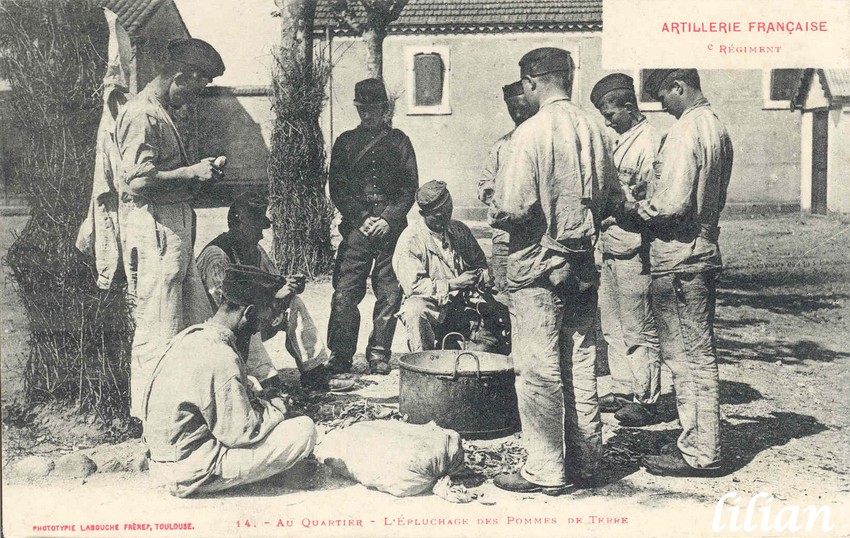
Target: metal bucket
[(471, 392)]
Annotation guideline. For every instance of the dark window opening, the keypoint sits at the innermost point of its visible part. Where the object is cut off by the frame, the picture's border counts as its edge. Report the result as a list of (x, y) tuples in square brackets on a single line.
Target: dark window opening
[(644, 96), (783, 82), (429, 72)]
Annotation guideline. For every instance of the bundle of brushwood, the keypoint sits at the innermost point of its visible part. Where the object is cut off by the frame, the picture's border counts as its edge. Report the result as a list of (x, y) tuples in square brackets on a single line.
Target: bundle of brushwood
[(52, 52), (300, 209)]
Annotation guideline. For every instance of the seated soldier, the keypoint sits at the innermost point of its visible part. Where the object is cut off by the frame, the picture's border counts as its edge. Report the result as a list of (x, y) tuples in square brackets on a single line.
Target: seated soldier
[(240, 244), (445, 279), (204, 428)]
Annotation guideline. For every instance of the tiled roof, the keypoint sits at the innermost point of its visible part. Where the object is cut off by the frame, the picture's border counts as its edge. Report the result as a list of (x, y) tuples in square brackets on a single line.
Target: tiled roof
[(133, 14), (467, 16), (836, 83)]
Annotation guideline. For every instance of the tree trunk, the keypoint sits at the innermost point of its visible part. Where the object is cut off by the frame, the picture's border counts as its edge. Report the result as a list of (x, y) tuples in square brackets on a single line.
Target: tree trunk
[(374, 38), (296, 28)]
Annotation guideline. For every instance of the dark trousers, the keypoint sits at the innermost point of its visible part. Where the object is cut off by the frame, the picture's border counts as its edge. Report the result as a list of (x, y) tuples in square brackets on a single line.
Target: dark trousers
[(358, 257)]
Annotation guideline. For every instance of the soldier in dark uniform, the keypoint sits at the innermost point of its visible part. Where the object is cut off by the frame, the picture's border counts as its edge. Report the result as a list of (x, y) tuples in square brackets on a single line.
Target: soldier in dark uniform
[(373, 181)]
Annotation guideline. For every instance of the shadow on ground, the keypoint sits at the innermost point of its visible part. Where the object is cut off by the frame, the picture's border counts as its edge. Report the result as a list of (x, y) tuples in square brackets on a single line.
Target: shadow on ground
[(731, 393), (816, 295), (732, 350), (306, 475), (742, 439)]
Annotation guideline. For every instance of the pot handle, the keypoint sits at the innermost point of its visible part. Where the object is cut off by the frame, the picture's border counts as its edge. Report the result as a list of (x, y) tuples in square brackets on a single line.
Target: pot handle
[(477, 364), (462, 340)]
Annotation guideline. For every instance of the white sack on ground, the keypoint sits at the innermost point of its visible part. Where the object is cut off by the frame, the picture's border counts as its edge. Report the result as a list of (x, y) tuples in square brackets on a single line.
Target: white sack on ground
[(395, 457)]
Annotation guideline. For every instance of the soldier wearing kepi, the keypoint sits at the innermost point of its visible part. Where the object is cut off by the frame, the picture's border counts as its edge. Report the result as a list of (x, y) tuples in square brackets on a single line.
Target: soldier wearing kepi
[(445, 279), (519, 112), (240, 244), (624, 300), (205, 429), (373, 180), (156, 187), (549, 194), (682, 209)]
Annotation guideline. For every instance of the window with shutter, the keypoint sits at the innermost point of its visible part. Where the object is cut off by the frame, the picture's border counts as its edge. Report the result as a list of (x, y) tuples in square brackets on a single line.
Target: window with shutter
[(428, 70), (783, 83), (779, 86)]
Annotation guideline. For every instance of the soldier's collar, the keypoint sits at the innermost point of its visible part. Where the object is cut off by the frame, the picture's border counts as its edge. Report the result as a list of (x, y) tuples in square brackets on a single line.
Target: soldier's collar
[(702, 102), (554, 100), (228, 336)]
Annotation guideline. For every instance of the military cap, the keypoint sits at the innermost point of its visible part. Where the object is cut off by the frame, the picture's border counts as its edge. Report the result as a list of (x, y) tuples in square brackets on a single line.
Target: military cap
[(656, 78), (432, 195), (513, 89), (609, 83), (250, 207), (198, 54), (370, 92), (246, 285), (545, 60)]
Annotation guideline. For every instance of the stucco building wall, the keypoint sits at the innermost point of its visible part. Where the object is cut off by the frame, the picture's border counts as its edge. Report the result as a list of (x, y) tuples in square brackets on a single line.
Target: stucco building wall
[(453, 147)]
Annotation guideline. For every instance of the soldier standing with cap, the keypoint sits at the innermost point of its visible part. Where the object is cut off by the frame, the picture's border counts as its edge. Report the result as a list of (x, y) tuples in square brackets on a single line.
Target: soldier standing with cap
[(373, 180), (549, 194), (156, 185), (519, 112), (681, 210), (624, 299), (205, 430)]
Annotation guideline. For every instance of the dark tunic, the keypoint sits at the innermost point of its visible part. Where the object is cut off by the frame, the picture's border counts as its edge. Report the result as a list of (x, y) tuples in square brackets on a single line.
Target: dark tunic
[(378, 180)]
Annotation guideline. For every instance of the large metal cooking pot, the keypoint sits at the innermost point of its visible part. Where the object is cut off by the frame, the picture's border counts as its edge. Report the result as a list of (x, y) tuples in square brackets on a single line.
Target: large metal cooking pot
[(471, 392)]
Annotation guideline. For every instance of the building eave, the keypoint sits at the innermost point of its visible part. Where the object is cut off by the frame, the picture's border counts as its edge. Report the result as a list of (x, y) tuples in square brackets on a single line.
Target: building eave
[(469, 29)]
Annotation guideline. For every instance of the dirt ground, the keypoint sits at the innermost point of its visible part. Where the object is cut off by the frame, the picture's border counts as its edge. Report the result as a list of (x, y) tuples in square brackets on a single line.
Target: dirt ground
[(783, 334)]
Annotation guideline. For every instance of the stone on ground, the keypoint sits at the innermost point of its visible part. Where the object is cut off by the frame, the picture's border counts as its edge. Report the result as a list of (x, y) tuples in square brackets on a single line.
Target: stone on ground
[(76, 465), (33, 467)]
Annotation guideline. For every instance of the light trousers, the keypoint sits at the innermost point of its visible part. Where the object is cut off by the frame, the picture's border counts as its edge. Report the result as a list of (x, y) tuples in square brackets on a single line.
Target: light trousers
[(629, 328), (164, 285), (554, 354)]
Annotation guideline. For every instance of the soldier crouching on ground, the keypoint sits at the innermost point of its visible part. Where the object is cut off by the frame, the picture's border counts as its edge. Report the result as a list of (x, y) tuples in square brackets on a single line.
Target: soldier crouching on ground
[(240, 244), (445, 279), (206, 432)]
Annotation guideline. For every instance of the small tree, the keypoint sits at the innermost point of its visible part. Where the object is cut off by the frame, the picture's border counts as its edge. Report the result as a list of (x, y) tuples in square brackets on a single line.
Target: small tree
[(53, 54), (301, 211), (371, 19)]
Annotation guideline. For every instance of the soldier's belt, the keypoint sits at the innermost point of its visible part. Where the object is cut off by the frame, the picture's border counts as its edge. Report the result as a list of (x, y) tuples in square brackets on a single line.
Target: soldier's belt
[(568, 246)]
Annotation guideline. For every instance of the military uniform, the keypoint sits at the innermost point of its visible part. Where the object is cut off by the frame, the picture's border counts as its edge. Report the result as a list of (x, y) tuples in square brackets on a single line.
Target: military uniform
[(682, 210), (624, 290), (373, 173), (204, 429), (302, 337), (548, 197), (157, 230), (486, 186), (425, 262)]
